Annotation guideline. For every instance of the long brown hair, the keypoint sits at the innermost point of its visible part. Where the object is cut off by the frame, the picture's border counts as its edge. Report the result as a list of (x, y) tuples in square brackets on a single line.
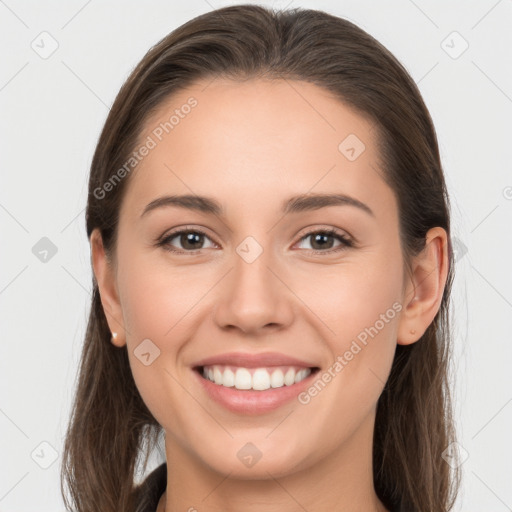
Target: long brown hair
[(111, 427)]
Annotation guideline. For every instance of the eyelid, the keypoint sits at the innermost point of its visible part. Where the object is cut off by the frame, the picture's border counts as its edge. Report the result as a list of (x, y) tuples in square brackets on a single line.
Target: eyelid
[(315, 228)]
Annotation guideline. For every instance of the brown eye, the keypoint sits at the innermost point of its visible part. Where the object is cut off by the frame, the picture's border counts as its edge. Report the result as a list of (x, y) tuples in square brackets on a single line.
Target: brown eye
[(190, 240), (322, 240)]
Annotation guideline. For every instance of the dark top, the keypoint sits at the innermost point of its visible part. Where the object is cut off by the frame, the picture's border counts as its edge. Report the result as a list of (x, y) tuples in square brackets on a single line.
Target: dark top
[(154, 486)]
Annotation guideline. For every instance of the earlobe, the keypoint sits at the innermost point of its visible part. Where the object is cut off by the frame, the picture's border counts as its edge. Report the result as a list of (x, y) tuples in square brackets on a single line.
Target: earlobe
[(425, 288), (104, 274)]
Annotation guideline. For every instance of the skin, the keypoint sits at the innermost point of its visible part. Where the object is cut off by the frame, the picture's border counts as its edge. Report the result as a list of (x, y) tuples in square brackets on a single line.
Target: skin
[(263, 142)]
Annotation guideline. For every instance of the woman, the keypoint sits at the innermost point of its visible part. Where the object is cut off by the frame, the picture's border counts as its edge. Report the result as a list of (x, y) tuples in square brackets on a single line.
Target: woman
[(270, 240)]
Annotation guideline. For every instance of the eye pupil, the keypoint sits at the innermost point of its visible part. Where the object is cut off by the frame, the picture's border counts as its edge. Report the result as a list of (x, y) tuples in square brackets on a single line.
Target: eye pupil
[(318, 237), (190, 238)]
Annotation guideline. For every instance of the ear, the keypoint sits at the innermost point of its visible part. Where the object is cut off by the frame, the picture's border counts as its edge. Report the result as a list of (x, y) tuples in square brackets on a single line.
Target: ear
[(105, 277), (424, 288)]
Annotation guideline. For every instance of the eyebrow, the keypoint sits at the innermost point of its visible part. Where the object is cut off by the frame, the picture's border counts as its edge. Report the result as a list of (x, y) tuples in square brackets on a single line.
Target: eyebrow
[(295, 204)]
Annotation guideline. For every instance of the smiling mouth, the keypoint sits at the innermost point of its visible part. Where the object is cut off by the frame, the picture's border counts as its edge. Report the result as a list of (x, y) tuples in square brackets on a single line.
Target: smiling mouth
[(255, 379)]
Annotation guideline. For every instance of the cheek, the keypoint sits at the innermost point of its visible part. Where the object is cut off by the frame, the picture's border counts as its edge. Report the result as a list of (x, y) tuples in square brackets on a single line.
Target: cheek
[(361, 309), (351, 297), (158, 305), (157, 298)]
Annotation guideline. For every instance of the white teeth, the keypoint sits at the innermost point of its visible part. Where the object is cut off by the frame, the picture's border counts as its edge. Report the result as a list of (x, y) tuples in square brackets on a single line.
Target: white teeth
[(228, 378), (243, 379), (258, 378), (289, 377), (217, 375), (301, 374), (277, 379)]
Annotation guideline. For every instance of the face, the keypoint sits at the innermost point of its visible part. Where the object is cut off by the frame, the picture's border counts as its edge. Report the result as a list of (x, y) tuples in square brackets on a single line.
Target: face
[(258, 277)]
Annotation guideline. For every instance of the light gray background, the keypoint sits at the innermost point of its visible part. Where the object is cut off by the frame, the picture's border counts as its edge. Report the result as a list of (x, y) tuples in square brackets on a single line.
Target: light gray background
[(52, 110)]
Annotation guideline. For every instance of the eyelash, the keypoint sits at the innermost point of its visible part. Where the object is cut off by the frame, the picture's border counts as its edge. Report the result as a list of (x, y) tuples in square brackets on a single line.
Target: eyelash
[(346, 242)]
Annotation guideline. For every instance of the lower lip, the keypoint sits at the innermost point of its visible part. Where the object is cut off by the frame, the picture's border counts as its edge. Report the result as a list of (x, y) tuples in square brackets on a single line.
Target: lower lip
[(252, 401)]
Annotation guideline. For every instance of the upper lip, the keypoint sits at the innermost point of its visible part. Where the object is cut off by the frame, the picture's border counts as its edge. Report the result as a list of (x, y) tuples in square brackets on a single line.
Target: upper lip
[(261, 360)]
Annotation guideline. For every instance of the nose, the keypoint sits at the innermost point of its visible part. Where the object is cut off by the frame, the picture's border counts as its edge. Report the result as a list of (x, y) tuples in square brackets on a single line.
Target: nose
[(254, 297)]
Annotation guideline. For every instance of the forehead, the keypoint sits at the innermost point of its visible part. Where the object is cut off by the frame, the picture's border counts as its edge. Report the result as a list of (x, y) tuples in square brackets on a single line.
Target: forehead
[(260, 140)]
